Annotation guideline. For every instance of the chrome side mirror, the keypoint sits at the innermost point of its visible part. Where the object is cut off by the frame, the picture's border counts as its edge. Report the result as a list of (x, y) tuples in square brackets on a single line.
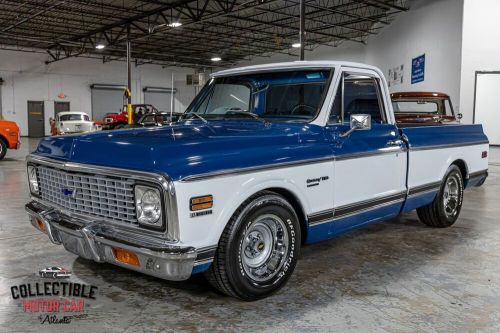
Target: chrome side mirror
[(359, 122)]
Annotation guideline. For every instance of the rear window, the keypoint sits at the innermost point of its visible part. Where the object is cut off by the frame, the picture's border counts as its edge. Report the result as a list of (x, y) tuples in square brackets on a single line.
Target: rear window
[(415, 106), (73, 117)]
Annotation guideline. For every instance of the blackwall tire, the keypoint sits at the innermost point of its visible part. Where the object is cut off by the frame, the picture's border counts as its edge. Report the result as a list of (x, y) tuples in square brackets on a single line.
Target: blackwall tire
[(3, 149), (444, 210), (258, 249)]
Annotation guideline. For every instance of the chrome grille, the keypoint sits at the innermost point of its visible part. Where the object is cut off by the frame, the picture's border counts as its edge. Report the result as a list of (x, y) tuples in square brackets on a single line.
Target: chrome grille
[(100, 196)]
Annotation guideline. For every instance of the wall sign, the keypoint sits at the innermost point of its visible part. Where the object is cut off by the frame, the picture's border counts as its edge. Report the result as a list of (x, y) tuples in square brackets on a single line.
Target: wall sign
[(418, 69), (395, 76)]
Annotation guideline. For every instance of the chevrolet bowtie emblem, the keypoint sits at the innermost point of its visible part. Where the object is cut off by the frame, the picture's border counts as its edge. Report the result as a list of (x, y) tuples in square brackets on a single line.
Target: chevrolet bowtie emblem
[(69, 192)]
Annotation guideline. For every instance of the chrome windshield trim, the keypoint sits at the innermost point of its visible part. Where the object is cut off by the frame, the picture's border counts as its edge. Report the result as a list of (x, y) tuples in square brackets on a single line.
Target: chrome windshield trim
[(172, 223)]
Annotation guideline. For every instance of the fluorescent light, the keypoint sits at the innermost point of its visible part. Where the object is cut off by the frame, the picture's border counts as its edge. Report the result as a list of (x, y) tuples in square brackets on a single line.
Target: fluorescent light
[(175, 24), (296, 45), (216, 59), (100, 46)]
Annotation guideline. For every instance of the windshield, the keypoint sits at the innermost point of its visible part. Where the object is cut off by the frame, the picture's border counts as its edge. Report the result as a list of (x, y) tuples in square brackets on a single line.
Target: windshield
[(73, 117), (421, 106), (280, 96)]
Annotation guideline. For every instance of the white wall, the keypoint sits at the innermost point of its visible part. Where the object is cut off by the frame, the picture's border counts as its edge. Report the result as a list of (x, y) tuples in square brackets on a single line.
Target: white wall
[(26, 77), (348, 51), (480, 47), (433, 27)]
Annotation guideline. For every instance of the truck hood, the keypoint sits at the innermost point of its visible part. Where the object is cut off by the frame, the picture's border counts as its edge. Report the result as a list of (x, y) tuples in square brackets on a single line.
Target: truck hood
[(192, 149)]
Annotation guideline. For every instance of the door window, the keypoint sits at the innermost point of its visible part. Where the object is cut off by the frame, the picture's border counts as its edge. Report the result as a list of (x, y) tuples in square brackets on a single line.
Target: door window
[(362, 96)]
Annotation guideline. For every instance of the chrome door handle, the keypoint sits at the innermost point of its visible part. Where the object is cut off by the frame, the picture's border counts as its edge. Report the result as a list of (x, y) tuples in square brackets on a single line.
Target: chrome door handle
[(397, 142)]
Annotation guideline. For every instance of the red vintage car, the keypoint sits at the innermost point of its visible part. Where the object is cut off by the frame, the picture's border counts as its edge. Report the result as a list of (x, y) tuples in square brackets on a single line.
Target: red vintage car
[(424, 108), (120, 120)]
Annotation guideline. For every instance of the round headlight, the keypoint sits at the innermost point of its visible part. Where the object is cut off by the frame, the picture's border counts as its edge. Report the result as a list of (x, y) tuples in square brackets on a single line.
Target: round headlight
[(148, 205)]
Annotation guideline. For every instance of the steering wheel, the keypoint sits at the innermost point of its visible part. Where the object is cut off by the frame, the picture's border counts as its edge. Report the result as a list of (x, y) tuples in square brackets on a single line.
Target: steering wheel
[(302, 107)]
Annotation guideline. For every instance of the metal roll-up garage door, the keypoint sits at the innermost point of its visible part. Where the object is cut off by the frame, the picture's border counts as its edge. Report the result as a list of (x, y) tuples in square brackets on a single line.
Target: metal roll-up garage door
[(106, 98), (159, 97)]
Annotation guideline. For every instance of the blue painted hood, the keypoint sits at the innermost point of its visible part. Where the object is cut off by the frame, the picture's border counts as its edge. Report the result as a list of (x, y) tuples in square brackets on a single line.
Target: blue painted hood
[(184, 150)]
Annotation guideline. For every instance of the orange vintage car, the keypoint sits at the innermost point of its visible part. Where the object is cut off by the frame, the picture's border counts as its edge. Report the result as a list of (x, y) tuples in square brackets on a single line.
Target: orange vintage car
[(9, 136)]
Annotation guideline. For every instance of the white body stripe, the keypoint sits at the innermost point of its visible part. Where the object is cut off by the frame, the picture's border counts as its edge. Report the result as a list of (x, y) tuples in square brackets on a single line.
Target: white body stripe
[(231, 191), (369, 177), (429, 166)]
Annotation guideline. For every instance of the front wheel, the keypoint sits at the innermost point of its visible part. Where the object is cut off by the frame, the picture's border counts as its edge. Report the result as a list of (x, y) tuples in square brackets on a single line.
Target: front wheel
[(3, 149), (258, 249), (445, 209)]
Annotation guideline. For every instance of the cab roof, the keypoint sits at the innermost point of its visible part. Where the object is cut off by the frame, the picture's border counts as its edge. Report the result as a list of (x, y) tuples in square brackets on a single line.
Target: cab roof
[(63, 113), (292, 65)]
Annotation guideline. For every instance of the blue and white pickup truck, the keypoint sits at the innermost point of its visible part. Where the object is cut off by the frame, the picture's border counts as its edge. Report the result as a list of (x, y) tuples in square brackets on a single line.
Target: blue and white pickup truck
[(265, 159)]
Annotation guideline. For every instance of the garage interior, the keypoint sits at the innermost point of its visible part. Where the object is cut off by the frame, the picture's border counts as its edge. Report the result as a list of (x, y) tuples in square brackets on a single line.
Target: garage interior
[(395, 276)]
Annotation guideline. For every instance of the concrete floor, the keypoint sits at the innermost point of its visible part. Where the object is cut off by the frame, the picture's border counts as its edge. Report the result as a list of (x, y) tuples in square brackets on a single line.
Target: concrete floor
[(397, 276)]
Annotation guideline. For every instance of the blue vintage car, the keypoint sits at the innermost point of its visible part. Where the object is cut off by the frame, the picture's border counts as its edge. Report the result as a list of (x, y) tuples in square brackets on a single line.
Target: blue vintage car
[(265, 159)]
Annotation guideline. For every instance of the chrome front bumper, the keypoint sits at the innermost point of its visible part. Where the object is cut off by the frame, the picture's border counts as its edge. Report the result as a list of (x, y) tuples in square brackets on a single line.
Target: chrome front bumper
[(96, 240)]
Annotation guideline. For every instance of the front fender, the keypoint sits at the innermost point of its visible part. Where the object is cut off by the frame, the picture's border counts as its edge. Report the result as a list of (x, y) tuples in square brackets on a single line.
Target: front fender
[(230, 192)]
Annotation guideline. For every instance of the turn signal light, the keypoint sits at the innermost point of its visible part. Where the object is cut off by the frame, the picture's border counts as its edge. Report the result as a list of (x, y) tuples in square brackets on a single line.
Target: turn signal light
[(40, 225), (203, 202), (126, 257)]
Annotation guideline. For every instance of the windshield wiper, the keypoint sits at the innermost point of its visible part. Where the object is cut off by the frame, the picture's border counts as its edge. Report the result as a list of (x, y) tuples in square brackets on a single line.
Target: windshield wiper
[(185, 115), (246, 113)]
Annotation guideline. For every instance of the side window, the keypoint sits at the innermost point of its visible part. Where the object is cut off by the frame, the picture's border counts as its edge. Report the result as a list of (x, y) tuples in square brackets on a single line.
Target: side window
[(362, 96)]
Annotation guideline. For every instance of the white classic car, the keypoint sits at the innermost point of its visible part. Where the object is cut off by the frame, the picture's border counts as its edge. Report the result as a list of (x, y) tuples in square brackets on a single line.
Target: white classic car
[(265, 160), (54, 272), (74, 122)]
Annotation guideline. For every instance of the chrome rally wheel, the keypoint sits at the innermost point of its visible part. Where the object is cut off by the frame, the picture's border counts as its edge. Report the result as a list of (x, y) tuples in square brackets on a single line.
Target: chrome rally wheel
[(258, 249), (444, 210), (264, 247), (451, 193)]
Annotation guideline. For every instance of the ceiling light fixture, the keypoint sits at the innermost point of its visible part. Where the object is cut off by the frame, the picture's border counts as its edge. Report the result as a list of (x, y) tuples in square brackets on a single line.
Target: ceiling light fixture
[(216, 59), (175, 24), (296, 45), (100, 46)]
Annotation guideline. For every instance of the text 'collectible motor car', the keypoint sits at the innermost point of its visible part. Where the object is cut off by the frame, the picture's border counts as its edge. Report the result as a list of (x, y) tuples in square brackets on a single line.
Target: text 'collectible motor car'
[(266, 159)]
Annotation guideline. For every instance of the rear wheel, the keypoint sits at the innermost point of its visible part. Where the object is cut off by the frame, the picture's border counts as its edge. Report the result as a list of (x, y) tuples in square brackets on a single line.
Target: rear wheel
[(119, 126), (445, 209), (258, 250), (3, 148)]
